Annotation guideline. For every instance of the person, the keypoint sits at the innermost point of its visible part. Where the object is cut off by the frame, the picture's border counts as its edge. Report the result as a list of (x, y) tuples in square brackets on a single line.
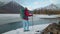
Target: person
[(25, 14)]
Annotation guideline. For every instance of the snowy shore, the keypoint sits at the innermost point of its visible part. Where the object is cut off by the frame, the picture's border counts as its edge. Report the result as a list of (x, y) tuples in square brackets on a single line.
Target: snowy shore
[(33, 30)]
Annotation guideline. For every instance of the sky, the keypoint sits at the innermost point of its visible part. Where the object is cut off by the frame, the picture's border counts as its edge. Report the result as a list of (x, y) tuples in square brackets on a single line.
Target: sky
[(55, 1), (33, 4)]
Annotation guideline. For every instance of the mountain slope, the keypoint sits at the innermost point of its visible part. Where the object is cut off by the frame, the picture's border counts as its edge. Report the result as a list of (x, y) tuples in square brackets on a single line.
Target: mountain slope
[(11, 7), (50, 9)]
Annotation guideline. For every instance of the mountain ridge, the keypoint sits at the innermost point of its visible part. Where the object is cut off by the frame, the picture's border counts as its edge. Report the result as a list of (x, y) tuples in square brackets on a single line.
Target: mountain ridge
[(11, 7), (50, 9)]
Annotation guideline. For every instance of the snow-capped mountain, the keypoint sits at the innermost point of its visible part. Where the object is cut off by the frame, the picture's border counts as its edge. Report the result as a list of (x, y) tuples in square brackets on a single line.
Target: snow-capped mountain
[(11, 7), (51, 7)]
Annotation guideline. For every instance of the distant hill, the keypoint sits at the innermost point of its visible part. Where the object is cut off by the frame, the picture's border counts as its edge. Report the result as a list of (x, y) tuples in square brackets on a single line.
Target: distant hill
[(11, 7), (50, 9)]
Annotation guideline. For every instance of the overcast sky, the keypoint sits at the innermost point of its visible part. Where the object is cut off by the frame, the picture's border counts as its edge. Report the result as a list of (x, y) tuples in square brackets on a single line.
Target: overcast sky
[(33, 4)]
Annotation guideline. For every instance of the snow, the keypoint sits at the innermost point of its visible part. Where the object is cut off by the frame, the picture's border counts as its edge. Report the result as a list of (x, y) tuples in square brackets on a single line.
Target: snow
[(33, 30)]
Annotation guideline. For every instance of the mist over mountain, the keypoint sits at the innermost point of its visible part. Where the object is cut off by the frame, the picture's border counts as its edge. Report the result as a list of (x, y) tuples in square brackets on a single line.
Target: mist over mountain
[(1, 3)]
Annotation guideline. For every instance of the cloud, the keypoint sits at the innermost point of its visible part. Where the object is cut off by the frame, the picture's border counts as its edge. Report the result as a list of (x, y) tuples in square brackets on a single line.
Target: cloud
[(29, 8), (55, 1), (41, 3), (36, 3)]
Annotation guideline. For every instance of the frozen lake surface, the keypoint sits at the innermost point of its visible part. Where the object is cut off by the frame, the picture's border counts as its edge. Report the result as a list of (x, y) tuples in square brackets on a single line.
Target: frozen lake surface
[(10, 18)]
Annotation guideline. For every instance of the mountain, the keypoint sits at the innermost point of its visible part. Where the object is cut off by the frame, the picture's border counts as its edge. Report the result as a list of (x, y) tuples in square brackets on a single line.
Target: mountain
[(50, 9), (11, 7), (58, 5)]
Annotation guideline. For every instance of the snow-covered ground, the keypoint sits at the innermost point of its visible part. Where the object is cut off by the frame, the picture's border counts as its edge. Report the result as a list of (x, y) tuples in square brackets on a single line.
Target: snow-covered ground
[(10, 18), (33, 30)]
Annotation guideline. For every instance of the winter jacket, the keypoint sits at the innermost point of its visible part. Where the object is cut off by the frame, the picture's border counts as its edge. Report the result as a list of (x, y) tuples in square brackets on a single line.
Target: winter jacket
[(25, 14)]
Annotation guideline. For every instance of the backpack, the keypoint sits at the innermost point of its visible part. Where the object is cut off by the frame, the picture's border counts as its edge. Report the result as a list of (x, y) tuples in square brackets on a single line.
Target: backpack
[(22, 13)]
